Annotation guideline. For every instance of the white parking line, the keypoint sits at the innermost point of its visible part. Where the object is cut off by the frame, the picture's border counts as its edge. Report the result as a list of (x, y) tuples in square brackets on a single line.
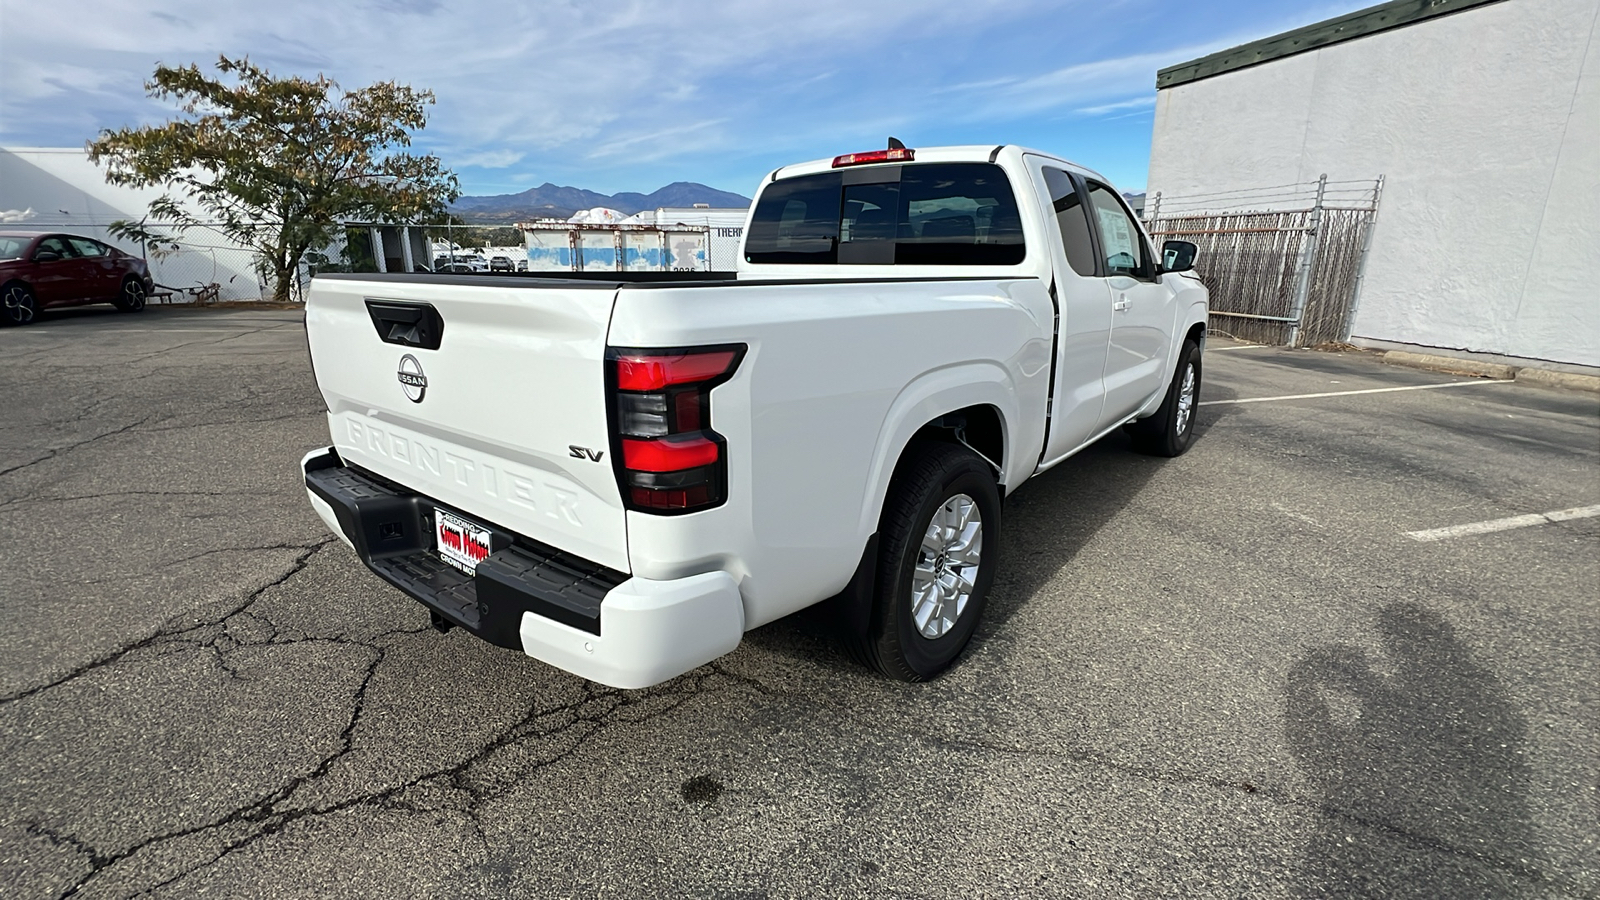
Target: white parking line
[(1237, 347), (1506, 524), (1409, 387)]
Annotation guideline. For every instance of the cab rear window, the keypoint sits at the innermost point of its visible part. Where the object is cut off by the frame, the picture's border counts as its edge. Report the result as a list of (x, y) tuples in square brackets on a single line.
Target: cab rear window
[(948, 214)]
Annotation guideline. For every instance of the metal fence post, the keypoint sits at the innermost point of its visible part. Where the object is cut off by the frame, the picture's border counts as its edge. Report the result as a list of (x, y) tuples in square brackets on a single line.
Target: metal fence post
[(1308, 261), (1361, 267), (377, 249)]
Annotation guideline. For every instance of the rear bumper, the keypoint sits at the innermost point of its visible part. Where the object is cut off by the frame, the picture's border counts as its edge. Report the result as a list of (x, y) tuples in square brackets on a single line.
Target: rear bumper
[(578, 615)]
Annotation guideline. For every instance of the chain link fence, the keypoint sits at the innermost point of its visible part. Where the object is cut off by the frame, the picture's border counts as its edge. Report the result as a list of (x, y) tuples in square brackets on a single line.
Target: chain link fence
[(1283, 263)]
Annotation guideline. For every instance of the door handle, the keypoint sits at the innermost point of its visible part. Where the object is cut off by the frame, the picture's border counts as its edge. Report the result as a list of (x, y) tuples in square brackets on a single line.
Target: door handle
[(1122, 303)]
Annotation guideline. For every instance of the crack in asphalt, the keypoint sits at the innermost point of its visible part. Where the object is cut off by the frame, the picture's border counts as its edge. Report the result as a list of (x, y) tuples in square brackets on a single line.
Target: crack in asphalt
[(55, 452), (167, 631), (272, 813), (575, 722), (152, 355)]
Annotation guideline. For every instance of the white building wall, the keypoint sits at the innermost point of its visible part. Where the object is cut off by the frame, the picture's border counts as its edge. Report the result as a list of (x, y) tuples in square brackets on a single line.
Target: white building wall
[(1486, 124)]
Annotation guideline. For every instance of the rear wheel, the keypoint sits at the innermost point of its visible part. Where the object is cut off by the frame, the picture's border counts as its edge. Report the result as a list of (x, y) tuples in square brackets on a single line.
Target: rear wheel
[(17, 304), (1170, 431), (133, 295), (938, 542)]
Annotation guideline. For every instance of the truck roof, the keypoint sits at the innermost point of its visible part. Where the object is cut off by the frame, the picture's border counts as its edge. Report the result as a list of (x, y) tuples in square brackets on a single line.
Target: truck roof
[(961, 153)]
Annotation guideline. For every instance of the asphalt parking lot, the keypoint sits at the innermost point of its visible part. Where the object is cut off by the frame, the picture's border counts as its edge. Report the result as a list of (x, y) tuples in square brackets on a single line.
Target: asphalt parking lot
[(1236, 673)]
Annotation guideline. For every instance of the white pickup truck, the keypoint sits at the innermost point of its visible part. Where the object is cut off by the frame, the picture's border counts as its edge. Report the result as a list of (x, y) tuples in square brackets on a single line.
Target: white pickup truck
[(620, 473)]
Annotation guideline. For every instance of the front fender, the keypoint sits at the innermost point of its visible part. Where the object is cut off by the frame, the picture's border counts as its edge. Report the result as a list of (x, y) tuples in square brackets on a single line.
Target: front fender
[(1191, 307)]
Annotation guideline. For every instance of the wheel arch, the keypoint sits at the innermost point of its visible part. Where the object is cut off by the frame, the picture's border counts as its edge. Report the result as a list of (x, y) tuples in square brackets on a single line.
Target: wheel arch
[(979, 428), (978, 398)]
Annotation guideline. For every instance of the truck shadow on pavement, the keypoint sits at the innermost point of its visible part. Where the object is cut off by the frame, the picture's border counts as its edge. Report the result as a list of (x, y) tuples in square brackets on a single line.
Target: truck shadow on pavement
[(1047, 522), (1418, 756)]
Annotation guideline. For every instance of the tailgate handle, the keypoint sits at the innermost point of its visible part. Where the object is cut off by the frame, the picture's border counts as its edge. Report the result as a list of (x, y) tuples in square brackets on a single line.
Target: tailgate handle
[(406, 324)]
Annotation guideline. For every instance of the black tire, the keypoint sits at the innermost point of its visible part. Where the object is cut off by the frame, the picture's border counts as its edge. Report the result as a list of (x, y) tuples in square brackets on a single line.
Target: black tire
[(17, 304), (133, 296), (1171, 429), (930, 476)]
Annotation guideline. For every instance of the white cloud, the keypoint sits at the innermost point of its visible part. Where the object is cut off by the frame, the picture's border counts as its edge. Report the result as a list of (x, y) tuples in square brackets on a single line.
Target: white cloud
[(1136, 103), (490, 159), (1077, 83)]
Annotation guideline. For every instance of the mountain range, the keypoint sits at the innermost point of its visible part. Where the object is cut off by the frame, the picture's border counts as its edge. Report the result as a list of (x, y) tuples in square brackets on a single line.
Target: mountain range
[(555, 201)]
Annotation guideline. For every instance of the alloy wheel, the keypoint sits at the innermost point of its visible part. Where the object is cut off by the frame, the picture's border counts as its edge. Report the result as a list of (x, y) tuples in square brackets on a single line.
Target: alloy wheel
[(133, 296), (947, 566), (18, 305), (1186, 393)]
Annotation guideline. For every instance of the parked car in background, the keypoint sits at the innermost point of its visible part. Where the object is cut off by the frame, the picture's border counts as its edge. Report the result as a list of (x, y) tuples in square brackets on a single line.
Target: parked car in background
[(501, 264), (40, 270), (463, 262)]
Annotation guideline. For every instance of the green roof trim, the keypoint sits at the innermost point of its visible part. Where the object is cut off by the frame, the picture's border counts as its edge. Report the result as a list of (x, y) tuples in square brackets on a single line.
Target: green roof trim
[(1383, 17)]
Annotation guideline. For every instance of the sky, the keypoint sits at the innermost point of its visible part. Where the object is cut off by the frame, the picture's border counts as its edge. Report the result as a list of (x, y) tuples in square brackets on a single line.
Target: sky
[(630, 95)]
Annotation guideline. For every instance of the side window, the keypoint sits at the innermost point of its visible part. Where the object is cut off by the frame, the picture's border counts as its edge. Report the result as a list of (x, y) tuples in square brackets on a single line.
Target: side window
[(55, 245), (1073, 220), (86, 247), (1119, 237), (797, 221)]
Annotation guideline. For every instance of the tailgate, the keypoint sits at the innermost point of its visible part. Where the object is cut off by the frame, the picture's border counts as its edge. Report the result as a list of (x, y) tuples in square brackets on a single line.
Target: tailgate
[(488, 422)]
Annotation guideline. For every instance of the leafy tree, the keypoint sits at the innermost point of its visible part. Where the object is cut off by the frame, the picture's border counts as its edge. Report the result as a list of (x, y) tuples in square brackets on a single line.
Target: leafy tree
[(277, 163)]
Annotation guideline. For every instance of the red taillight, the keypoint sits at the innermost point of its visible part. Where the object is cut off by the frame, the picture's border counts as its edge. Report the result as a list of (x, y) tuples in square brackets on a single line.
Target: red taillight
[(669, 454), (668, 459), (897, 154), (638, 372)]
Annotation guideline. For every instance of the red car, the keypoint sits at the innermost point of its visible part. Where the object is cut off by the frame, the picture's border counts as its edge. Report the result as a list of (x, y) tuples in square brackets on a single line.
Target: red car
[(40, 270)]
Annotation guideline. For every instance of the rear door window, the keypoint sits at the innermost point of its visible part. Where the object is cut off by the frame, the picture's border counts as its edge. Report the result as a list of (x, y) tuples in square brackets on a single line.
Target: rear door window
[(1072, 219), (86, 247), (954, 214), (55, 245)]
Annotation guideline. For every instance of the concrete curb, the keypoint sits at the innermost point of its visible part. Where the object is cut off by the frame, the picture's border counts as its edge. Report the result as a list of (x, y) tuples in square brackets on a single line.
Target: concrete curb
[(1449, 364), (1523, 374), (1569, 380)]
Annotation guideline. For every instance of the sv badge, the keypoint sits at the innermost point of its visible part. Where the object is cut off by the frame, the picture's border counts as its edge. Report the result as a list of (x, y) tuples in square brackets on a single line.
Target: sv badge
[(585, 453)]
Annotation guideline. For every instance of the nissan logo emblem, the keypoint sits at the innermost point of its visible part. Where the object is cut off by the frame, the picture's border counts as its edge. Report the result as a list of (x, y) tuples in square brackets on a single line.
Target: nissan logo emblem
[(412, 381)]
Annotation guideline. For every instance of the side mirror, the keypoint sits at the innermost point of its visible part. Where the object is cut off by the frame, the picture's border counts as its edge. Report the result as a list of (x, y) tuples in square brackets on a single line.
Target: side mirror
[(1178, 256), (46, 256)]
